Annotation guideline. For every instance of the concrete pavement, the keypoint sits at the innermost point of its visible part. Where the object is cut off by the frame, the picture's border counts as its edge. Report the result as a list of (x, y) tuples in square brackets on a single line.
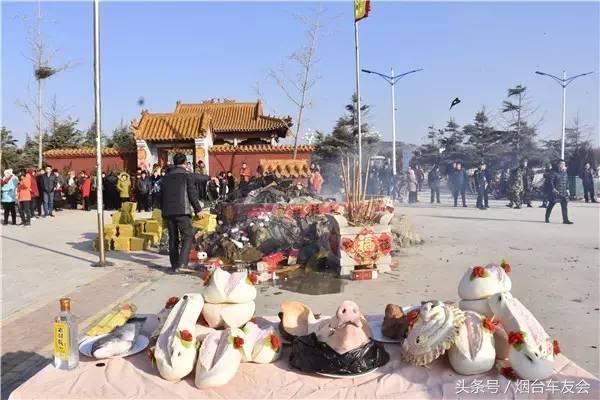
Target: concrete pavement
[(555, 274)]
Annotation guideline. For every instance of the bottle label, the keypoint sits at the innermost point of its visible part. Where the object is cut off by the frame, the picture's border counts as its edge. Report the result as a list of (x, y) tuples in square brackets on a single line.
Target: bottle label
[(61, 341)]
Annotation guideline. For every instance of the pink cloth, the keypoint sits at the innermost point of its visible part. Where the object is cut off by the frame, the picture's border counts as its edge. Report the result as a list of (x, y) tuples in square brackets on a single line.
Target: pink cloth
[(134, 377)]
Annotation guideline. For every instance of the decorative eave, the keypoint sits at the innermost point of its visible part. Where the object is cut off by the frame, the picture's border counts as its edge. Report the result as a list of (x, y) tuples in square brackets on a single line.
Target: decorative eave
[(285, 168), (85, 152), (260, 149)]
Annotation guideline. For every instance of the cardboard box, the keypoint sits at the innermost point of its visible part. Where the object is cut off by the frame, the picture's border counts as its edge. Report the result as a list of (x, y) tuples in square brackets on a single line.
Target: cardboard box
[(152, 238), (122, 243), (152, 226), (138, 244), (129, 207), (157, 216), (207, 222), (363, 274), (116, 217), (96, 244), (110, 229), (139, 227), (125, 230)]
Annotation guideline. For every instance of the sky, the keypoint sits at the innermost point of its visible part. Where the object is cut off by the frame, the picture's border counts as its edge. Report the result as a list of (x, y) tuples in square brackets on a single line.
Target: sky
[(193, 51)]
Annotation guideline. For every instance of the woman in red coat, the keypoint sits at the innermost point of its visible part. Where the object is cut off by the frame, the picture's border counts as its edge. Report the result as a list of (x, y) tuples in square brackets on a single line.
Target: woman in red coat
[(35, 192), (86, 188)]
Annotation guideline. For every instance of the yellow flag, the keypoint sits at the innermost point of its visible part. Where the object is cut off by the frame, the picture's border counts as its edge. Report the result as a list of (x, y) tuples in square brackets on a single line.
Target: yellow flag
[(361, 9)]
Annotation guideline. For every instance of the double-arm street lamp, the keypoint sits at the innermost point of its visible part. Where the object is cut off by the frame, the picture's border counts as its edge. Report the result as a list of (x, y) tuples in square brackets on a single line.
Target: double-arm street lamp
[(564, 82), (392, 79)]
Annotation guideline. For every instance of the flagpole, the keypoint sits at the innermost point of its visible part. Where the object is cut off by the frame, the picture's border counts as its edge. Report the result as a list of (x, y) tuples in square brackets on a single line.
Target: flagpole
[(101, 251), (356, 47)]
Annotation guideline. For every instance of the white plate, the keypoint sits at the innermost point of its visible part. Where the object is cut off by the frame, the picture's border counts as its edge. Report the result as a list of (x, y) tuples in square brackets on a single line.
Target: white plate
[(85, 346), (335, 376), (375, 323)]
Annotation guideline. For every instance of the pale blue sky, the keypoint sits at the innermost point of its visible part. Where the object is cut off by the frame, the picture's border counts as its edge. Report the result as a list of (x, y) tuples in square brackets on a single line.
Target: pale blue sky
[(194, 51)]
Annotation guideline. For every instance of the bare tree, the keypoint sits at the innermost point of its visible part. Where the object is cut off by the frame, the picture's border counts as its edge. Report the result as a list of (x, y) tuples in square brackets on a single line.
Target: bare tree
[(297, 86), (40, 58)]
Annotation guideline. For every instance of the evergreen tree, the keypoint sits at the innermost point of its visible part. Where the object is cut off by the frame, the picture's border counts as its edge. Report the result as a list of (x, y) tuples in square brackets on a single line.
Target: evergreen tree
[(89, 137), (8, 149), (64, 135), (29, 153), (343, 140), (519, 135), (482, 137), (122, 138)]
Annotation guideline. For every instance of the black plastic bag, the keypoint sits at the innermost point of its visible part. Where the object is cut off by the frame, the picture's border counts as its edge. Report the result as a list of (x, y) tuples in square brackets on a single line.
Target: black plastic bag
[(310, 355)]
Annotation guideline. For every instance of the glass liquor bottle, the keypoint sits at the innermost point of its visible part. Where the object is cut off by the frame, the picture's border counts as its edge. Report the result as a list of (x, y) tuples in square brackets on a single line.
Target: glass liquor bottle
[(66, 350)]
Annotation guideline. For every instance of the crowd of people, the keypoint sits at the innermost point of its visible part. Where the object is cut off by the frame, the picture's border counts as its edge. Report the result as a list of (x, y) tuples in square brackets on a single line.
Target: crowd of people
[(39, 193), (517, 185)]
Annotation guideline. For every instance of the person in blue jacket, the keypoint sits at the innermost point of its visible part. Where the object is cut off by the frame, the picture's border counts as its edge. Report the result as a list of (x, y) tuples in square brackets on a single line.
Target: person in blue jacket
[(9, 196)]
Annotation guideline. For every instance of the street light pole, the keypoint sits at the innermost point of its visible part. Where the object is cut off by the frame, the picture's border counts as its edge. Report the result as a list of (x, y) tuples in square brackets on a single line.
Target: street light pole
[(564, 82), (393, 124), (564, 118), (97, 118), (392, 79)]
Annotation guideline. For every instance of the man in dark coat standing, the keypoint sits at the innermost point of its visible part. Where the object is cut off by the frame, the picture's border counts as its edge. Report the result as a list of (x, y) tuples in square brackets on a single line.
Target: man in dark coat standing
[(49, 182), (142, 192), (482, 183), (527, 184), (460, 180), (201, 181), (587, 178), (559, 193), (112, 195), (433, 180), (179, 201), (547, 186)]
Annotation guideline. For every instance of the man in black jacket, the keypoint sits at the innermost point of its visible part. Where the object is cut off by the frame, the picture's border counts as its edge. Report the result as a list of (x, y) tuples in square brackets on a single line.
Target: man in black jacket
[(142, 191), (460, 180), (179, 200), (481, 184), (587, 178), (559, 193), (433, 179), (49, 182)]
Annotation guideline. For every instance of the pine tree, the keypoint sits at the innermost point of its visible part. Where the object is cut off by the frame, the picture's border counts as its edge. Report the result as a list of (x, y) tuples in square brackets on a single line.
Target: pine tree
[(482, 136), (89, 137), (8, 149), (343, 140), (122, 138), (64, 135), (29, 153), (519, 135)]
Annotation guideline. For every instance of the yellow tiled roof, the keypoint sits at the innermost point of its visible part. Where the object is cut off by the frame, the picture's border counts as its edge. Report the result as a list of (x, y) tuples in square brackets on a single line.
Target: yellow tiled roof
[(192, 120), (285, 168), (260, 148), (84, 152), (169, 126)]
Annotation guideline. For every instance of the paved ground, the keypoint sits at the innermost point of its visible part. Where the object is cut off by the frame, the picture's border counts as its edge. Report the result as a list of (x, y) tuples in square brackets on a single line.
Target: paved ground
[(555, 273)]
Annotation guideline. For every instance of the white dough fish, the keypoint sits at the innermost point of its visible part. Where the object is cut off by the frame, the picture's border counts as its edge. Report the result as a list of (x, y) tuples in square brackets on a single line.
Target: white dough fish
[(116, 343)]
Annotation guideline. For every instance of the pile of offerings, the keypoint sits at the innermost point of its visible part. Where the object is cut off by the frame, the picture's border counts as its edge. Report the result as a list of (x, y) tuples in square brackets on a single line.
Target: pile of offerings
[(489, 327), (212, 332)]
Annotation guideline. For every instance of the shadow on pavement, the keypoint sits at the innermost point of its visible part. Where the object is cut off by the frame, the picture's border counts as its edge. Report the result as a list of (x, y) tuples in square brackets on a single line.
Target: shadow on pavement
[(485, 219), (18, 367), (149, 259), (46, 249)]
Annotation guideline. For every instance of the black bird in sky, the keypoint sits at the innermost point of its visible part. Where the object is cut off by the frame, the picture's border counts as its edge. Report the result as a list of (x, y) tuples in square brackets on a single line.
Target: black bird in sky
[(454, 102)]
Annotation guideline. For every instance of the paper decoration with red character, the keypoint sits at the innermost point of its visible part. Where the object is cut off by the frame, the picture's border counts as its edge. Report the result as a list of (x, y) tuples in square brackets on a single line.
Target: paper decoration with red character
[(367, 246)]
